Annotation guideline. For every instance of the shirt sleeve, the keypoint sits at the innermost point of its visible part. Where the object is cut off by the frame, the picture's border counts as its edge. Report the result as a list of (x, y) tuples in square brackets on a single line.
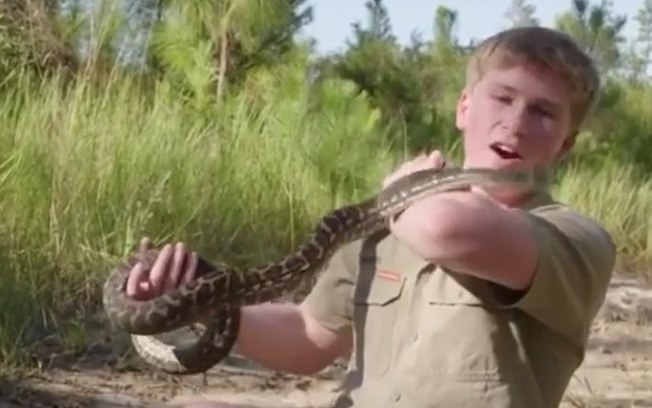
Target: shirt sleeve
[(575, 264), (331, 299)]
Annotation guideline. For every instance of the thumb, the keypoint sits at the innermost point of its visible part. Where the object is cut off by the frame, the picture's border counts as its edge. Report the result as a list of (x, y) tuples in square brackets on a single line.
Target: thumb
[(436, 160), (145, 244)]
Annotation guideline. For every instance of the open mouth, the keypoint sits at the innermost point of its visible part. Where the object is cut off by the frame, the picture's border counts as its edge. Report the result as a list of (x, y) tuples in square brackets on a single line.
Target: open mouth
[(505, 152)]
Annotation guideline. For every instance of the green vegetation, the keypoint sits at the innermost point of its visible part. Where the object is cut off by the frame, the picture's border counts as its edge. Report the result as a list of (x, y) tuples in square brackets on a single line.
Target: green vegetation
[(235, 137)]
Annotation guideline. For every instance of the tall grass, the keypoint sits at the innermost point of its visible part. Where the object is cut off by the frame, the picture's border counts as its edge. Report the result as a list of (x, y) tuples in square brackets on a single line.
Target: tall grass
[(621, 199), (86, 171)]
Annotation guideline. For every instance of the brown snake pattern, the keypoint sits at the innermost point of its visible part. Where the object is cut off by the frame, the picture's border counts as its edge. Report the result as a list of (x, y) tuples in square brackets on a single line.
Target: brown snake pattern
[(215, 297)]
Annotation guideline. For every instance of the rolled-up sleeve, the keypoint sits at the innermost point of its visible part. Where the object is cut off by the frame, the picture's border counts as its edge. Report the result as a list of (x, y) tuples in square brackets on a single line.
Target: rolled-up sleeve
[(575, 264), (331, 299)]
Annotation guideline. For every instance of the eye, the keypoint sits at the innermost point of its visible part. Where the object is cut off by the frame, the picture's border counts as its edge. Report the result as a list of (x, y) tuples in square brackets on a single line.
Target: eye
[(503, 98), (541, 111)]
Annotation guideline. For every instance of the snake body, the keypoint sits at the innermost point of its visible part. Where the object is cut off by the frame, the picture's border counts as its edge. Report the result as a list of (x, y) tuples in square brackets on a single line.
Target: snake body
[(214, 298)]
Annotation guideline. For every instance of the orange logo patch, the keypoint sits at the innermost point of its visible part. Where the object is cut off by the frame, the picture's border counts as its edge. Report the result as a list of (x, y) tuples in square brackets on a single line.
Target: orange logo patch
[(388, 275)]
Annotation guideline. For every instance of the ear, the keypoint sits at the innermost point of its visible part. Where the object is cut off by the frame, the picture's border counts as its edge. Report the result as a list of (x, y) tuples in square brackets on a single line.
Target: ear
[(462, 109)]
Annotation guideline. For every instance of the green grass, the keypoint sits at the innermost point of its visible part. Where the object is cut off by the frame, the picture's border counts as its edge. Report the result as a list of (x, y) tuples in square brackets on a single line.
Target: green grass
[(85, 173), (620, 198)]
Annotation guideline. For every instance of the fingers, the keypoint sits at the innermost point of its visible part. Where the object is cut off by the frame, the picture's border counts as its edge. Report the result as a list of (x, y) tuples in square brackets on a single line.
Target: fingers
[(192, 267), (173, 266), (433, 160), (138, 285), (159, 272), (176, 270)]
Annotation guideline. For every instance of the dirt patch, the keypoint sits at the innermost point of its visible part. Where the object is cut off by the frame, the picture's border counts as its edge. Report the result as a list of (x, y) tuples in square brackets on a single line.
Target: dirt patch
[(108, 388), (617, 372)]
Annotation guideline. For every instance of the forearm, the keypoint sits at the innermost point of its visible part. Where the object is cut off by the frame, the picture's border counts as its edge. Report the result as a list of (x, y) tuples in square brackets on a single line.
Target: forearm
[(471, 234), (278, 336)]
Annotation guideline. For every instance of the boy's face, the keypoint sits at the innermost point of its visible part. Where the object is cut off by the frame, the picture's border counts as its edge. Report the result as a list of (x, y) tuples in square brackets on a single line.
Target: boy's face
[(515, 118)]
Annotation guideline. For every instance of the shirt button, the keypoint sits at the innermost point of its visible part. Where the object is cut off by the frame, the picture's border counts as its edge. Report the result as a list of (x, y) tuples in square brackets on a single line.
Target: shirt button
[(397, 396), (415, 336)]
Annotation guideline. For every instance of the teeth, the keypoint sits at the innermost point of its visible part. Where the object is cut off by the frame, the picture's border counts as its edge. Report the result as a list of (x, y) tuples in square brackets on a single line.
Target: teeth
[(505, 148), (505, 151)]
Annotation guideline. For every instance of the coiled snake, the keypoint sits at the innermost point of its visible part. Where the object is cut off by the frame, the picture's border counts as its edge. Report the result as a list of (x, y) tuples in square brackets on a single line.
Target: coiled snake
[(214, 298)]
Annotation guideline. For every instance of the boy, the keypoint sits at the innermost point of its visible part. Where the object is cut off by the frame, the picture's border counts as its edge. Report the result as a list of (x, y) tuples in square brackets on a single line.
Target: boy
[(480, 298)]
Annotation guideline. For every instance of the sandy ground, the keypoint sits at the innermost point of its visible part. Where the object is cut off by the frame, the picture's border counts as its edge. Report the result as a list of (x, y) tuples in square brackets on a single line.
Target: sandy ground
[(617, 372)]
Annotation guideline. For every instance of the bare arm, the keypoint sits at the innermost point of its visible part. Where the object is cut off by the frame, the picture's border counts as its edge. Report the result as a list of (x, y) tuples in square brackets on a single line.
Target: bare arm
[(559, 261), (473, 234), (286, 337), (280, 336)]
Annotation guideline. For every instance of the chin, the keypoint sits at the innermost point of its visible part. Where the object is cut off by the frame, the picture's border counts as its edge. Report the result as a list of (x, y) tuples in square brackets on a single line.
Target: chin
[(511, 164)]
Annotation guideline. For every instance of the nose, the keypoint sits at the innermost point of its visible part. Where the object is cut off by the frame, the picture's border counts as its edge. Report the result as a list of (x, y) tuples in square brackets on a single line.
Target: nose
[(514, 119)]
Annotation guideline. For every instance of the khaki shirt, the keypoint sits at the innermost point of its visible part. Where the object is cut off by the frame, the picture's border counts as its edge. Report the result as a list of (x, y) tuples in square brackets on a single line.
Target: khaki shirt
[(425, 337)]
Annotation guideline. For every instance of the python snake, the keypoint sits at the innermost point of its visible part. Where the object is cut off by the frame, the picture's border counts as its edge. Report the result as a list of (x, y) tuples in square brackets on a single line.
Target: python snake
[(215, 296)]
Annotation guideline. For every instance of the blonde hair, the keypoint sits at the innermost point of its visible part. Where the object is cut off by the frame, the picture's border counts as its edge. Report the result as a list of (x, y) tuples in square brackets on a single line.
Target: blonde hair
[(544, 47)]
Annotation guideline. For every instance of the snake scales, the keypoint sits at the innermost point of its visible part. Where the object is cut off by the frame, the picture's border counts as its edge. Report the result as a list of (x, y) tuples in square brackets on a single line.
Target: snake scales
[(214, 298)]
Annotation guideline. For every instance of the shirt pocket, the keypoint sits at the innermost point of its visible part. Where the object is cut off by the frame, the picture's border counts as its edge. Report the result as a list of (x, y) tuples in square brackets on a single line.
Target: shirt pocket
[(375, 313), (465, 335)]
